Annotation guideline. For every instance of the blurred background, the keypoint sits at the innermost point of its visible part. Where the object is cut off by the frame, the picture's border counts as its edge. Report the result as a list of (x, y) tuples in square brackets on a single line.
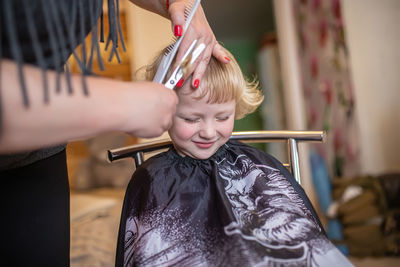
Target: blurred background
[(329, 65)]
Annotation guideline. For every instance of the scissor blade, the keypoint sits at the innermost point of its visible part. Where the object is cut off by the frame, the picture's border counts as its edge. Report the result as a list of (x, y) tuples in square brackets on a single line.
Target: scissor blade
[(196, 53), (178, 72)]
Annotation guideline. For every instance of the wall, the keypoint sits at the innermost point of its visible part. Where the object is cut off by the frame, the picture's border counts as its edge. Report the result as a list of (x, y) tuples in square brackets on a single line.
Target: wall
[(291, 80), (373, 35), (148, 33)]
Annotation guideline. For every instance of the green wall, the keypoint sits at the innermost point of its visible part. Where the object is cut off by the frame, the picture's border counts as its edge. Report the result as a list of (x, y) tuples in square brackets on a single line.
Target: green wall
[(245, 53)]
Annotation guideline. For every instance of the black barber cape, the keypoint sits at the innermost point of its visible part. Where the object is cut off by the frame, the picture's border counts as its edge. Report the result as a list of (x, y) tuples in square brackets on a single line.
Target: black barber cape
[(240, 207)]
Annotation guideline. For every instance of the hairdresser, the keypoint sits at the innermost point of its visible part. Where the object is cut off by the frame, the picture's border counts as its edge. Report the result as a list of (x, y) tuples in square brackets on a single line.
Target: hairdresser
[(43, 106)]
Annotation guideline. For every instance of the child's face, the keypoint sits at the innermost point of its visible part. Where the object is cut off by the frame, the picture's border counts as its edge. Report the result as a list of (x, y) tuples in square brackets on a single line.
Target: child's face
[(200, 128)]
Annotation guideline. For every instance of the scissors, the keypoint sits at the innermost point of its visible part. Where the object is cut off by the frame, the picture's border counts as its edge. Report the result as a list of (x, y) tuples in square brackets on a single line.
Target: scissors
[(188, 59), (168, 57)]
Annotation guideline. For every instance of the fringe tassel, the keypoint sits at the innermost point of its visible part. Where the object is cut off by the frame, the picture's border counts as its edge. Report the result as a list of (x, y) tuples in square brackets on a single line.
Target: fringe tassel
[(114, 29), (56, 18), (53, 43), (15, 48), (61, 23), (102, 23), (82, 32), (37, 49), (68, 79), (99, 10), (69, 24), (119, 27), (95, 9)]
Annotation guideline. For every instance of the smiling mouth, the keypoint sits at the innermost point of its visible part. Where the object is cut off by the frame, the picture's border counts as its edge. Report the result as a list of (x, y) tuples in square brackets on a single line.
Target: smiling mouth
[(204, 144)]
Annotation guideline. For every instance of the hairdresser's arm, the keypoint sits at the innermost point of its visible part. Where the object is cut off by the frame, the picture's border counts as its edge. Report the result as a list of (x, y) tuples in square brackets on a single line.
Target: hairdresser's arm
[(144, 109), (199, 29)]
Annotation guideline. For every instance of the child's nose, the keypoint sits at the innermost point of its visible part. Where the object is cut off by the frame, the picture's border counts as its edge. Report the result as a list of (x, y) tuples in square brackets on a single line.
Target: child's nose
[(207, 131)]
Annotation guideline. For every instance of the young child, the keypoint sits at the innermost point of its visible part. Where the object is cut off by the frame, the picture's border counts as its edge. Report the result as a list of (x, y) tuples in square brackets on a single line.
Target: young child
[(209, 201)]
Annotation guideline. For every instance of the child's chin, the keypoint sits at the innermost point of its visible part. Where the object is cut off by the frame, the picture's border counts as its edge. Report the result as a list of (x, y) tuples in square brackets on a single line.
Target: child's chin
[(198, 154), (204, 155)]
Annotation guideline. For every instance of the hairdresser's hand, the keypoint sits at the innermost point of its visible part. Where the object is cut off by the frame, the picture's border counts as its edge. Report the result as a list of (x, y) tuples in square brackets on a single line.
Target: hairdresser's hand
[(153, 108), (199, 29), (144, 109)]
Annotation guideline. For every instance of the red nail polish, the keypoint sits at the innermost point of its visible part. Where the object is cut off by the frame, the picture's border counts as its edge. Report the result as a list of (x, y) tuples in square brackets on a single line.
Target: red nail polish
[(178, 30), (179, 84), (196, 83), (227, 58), (167, 4)]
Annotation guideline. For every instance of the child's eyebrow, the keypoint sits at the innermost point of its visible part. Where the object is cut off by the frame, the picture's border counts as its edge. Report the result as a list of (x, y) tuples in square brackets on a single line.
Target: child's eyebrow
[(230, 110), (227, 111), (199, 114)]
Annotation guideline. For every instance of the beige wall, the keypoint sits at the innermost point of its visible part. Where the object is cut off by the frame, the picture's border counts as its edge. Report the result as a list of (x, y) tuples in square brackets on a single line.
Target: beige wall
[(291, 79), (373, 37), (148, 32)]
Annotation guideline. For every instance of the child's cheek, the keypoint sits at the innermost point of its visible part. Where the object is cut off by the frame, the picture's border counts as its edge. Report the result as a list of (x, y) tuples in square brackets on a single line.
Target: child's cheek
[(227, 128), (185, 131)]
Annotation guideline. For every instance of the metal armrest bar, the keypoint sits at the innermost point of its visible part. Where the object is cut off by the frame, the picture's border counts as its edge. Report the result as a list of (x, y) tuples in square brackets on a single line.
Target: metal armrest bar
[(268, 136), (131, 151), (291, 137), (245, 136)]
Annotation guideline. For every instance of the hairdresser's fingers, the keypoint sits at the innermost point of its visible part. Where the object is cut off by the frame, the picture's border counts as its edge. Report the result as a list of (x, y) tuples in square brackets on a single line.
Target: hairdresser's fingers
[(203, 61), (220, 54), (200, 66), (177, 14), (200, 30), (176, 11)]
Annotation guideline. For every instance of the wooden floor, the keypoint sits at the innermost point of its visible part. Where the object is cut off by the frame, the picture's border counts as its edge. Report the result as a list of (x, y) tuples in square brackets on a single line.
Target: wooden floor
[(376, 262)]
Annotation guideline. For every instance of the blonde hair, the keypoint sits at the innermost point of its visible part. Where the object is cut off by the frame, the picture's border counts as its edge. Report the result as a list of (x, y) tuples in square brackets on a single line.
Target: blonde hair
[(222, 83)]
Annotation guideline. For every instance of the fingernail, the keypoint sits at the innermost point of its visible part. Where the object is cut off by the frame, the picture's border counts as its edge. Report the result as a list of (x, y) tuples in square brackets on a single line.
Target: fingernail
[(227, 58), (179, 84), (178, 30), (196, 83)]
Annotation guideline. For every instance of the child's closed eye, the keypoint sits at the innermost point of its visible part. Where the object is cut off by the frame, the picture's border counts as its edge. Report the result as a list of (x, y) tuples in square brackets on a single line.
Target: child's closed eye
[(191, 120), (222, 118)]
